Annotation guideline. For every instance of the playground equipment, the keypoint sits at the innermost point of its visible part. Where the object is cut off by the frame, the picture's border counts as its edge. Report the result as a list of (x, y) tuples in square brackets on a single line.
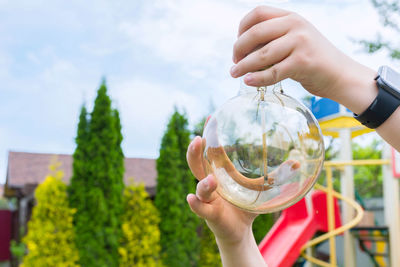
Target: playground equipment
[(295, 227), (336, 121), (298, 224), (264, 148), (331, 216), (374, 241)]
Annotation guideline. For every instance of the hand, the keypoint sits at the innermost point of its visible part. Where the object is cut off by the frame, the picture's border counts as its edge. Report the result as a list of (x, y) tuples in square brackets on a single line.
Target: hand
[(228, 223), (275, 44)]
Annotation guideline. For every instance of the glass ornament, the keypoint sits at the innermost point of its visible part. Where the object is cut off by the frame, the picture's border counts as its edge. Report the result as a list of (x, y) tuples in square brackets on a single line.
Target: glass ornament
[(264, 148)]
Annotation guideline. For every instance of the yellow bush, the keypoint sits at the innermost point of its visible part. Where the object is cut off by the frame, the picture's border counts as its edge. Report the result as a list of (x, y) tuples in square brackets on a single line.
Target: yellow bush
[(50, 237), (140, 242)]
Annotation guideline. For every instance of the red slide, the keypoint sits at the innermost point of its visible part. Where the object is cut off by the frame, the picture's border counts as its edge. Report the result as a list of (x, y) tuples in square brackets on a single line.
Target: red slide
[(297, 224)]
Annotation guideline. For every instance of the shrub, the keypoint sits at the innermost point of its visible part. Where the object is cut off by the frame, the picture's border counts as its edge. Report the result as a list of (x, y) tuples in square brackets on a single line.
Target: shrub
[(140, 243), (51, 239)]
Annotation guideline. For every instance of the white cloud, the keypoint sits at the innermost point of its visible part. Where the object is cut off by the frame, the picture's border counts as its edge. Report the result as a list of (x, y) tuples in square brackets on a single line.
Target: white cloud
[(152, 101), (145, 108), (53, 55), (194, 34)]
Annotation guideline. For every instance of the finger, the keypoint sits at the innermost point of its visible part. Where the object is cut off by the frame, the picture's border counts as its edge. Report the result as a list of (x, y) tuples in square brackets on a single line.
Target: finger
[(193, 156), (286, 171), (270, 54), (203, 210), (288, 165), (259, 14), (205, 190), (259, 35), (272, 75)]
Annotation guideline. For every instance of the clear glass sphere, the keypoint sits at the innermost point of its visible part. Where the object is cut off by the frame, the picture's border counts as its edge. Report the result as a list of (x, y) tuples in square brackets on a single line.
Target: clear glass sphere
[(264, 148)]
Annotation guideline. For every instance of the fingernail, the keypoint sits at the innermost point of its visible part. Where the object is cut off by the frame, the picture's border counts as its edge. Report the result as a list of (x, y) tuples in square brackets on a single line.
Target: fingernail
[(234, 71), (234, 59), (193, 141), (249, 78), (192, 147), (206, 183), (188, 197)]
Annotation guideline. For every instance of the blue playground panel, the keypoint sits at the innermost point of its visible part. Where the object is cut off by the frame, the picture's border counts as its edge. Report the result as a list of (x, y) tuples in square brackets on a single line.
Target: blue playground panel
[(324, 107)]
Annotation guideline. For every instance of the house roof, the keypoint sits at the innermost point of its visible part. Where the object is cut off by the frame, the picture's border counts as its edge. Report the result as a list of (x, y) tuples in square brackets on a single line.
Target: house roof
[(30, 169)]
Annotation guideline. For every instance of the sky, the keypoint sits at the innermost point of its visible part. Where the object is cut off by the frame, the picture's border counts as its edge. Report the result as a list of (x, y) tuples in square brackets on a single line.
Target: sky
[(154, 54)]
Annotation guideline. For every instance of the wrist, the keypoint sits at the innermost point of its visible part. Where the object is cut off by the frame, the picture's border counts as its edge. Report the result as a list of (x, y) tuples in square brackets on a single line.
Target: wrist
[(357, 88), (243, 252), (237, 240)]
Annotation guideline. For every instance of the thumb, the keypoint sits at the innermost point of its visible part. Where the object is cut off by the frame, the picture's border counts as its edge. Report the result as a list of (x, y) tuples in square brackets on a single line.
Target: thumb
[(202, 209)]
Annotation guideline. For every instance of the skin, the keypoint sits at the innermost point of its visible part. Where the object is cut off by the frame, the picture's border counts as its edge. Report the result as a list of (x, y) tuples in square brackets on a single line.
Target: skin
[(272, 45)]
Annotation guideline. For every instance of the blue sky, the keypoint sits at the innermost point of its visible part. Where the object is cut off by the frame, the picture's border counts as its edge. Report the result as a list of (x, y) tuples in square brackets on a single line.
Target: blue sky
[(154, 55)]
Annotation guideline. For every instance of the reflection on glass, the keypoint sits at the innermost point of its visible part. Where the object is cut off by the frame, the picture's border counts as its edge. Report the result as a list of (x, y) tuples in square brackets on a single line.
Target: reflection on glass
[(264, 148)]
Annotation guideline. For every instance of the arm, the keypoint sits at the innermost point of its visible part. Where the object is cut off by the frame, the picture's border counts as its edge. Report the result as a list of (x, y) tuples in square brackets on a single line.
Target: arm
[(245, 253), (230, 225), (282, 45), (293, 48)]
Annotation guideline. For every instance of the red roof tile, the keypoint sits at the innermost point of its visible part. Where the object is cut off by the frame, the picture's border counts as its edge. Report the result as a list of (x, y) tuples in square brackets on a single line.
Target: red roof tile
[(32, 168)]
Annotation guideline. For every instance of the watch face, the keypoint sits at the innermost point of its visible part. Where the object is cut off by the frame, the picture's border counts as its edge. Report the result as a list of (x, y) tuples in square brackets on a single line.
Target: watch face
[(392, 79)]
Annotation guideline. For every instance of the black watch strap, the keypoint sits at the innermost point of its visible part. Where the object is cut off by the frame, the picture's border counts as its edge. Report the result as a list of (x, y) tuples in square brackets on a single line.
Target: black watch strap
[(381, 108)]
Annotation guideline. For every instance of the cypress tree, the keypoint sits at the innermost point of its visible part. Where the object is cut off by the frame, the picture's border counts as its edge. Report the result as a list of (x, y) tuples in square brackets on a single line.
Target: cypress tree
[(178, 227), (77, 186), (99, 172)]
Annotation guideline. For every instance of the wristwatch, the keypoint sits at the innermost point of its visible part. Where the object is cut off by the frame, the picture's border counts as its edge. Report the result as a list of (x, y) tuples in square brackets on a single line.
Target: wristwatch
[(387, 101)]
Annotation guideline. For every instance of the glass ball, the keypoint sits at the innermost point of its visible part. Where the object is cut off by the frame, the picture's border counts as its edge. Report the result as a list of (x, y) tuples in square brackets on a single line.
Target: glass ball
[(264, 148)]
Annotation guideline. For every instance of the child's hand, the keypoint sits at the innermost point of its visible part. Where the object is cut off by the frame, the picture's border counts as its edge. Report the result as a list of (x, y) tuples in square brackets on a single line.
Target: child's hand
[(228, 223), (275, 44)]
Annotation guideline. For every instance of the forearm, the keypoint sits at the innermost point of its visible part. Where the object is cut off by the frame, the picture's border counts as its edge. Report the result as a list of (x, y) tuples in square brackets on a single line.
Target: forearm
[(243, 253), (357, 90)]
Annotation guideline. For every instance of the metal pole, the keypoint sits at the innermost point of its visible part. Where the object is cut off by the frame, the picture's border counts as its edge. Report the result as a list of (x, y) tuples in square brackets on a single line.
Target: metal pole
[(347, 190), (391, 207), (331, 215)]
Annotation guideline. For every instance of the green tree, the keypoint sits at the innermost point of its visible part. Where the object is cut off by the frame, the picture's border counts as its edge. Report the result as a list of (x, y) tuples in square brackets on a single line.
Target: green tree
[(261, 225), (389, 13), (97, 184), (178, 226), (140, 243), (78, 183), (51, 239), (368, 179)]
